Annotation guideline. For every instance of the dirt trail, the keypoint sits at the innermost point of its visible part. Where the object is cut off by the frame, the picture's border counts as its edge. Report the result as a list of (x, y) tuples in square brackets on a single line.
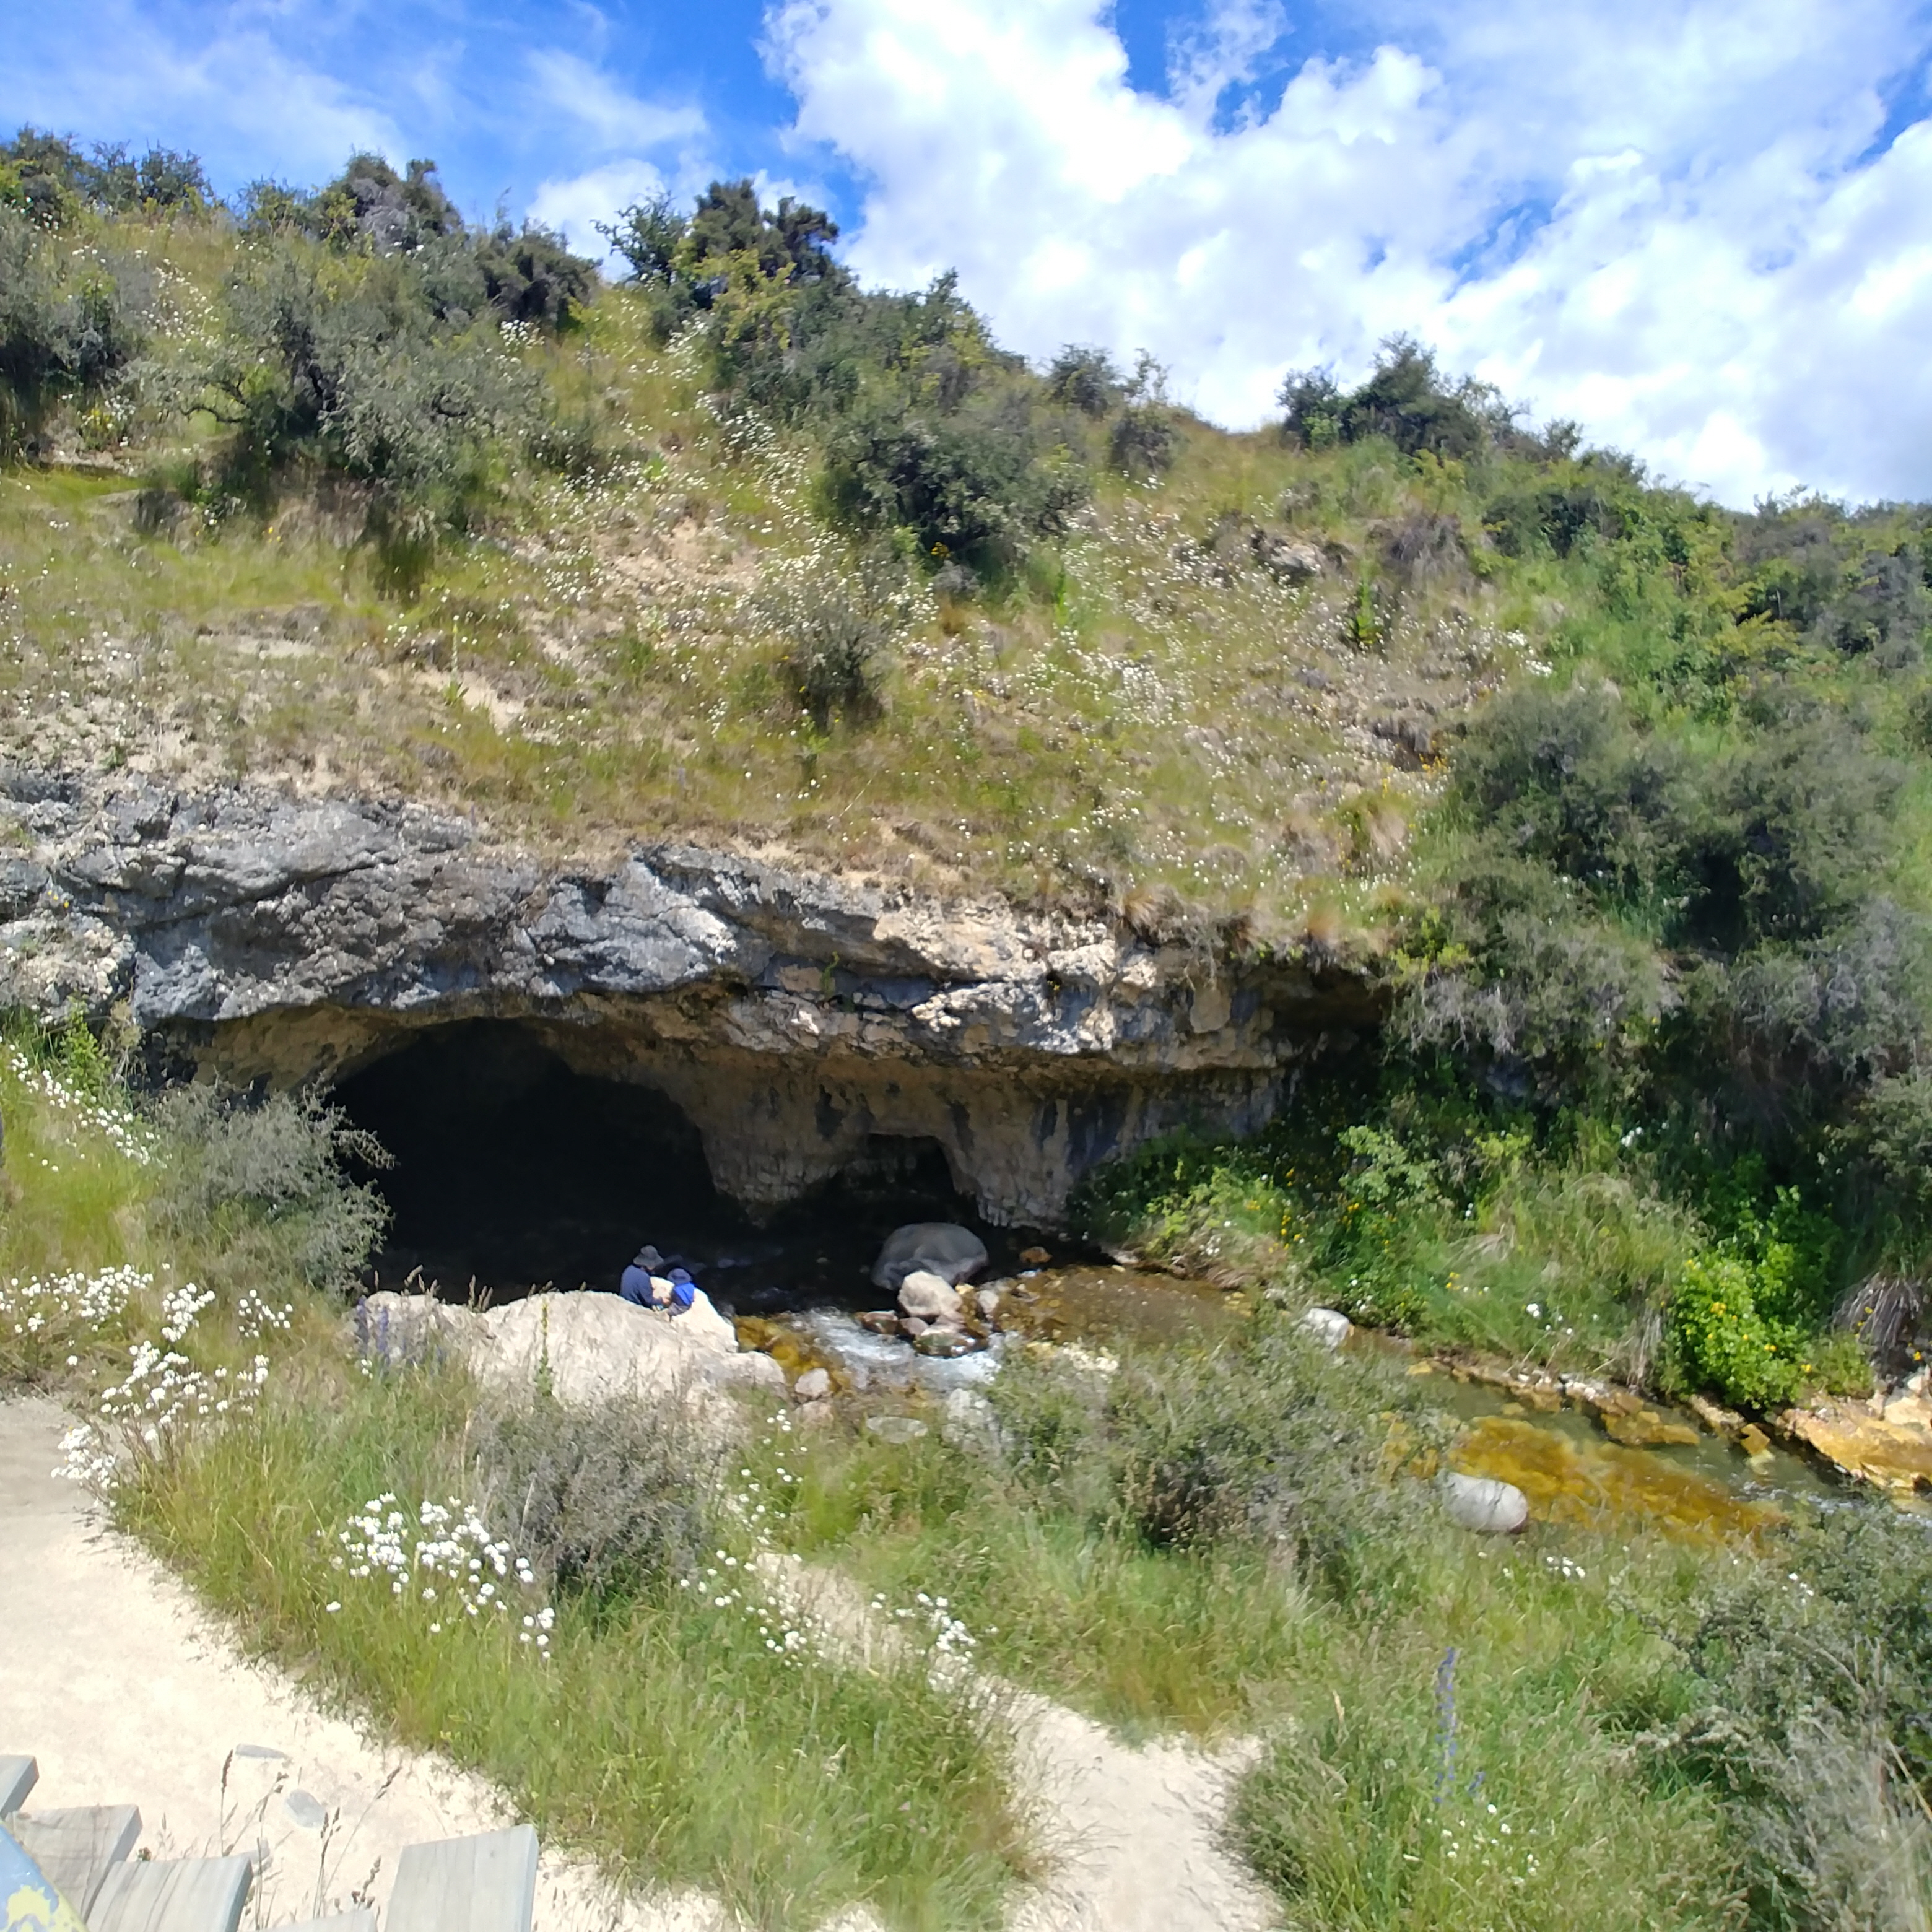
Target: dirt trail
[(1134, 1835), (127, 1691)]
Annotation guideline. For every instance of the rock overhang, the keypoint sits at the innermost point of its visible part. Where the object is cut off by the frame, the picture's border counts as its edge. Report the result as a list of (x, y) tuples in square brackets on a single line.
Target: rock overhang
[(262, 936)]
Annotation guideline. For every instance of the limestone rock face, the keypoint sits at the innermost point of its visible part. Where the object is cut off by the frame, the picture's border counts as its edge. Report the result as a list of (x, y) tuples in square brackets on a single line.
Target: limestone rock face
[(794, 1017)]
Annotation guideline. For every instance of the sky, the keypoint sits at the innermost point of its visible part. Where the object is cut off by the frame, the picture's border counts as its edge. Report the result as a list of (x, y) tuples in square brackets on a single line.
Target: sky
[(1701, 228)]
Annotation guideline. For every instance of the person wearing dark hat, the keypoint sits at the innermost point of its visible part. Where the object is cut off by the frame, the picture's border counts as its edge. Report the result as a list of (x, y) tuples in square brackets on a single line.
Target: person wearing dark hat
[(648, 1283)]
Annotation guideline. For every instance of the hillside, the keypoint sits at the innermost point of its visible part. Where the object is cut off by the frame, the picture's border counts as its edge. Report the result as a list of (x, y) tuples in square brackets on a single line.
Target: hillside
[(723, 756)]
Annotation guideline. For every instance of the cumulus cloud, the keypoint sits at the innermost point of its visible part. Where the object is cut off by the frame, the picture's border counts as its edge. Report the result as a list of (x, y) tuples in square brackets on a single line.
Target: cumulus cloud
[(1702, 228)]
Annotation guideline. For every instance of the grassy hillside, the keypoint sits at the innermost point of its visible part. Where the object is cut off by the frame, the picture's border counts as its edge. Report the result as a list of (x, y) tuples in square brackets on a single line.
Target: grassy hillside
[(1623, 797)]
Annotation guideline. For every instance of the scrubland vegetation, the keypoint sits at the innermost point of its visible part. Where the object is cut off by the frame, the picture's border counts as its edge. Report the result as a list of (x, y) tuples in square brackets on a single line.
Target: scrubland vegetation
[(1456, 1732), (1616, 800)]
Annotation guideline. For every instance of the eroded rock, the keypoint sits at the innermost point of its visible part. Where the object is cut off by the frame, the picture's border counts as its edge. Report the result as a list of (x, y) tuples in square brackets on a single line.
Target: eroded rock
[(793, 1018)]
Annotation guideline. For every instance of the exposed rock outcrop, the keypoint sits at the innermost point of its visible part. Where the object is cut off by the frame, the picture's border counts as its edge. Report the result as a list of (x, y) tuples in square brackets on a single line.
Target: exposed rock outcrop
[(792, 1017)]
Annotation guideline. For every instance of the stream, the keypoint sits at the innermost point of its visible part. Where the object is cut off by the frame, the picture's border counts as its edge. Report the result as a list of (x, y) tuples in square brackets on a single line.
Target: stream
[(1561, 1460)]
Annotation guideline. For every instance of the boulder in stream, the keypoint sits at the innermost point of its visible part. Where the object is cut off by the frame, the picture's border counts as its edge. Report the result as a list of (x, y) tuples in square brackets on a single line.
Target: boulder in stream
[(925, 1297), (1483, 1504), (943, 1248)]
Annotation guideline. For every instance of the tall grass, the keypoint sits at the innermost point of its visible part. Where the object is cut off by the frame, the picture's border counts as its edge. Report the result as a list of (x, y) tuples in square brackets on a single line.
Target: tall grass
[(661, 1734), (675, 1737)]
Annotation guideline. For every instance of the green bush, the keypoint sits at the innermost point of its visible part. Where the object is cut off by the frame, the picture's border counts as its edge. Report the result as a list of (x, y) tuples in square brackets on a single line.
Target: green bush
[(69, 327), (611, 1502), (261, 1189)]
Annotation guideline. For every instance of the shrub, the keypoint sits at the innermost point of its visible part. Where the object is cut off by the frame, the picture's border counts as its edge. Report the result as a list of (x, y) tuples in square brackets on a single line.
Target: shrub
[(836, 656), (1144, 440), (612, 1502), (67, 331), (1083, 378), (1268, 1440), (261, 1188)]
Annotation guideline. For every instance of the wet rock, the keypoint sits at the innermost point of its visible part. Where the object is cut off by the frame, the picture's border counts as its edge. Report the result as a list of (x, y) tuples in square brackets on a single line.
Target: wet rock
[(1482, 1504), (987, 1300), (912, 1327), (944, 1344), (1601, 1398), (813, 1384), (895, 1428), (941, 1248), (1646, 1429), (1034, 1258), (1753, 1441), (880, 1321), (1715, 1416), (1329, 1326), (966, 1421), (1892, 1455), (928, 1297)]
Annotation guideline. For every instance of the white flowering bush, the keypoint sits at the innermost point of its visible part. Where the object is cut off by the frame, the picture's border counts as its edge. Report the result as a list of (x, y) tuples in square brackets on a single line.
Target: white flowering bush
[(45, 1322), (78, 1104), (441, 1561)]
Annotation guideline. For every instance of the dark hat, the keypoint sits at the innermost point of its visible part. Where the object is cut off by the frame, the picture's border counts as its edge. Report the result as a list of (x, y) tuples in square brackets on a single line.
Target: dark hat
[(648, 1257)]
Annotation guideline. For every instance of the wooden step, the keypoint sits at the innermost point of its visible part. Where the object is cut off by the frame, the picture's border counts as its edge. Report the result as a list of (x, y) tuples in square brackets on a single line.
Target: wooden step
[(486, 1883), (18, 1776), (78, 1847), (171, 1895)]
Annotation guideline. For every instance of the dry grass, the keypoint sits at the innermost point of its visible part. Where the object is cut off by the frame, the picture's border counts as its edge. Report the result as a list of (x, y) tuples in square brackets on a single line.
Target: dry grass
[(1153, 710)]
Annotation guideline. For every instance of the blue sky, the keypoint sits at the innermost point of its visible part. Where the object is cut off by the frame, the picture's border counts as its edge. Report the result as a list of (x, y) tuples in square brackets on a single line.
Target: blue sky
[(1703, 227)]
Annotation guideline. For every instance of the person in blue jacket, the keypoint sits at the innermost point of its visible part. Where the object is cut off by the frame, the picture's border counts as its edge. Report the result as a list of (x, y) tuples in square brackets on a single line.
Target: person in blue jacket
[(649, 1284)]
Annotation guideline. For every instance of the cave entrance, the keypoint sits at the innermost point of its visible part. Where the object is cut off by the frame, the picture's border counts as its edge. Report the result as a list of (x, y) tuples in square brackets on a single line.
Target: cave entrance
[(513, 1170)]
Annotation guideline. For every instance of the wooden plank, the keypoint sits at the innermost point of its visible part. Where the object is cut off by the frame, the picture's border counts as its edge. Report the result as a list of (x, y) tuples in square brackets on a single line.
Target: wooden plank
[(18, 1776), (78, 1847), (487, 1883), (171, 1895)]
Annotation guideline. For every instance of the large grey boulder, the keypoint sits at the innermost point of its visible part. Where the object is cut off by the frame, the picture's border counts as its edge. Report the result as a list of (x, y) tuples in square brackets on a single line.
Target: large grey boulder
[(585, 1348), (954, 1253), (1483, 1504)]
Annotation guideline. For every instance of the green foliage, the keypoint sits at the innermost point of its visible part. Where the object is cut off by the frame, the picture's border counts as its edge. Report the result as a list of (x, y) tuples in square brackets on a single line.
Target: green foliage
[(611, 1503), (69, 327), (51, 181), (1405, 399), (263, 1185), (343, 367)]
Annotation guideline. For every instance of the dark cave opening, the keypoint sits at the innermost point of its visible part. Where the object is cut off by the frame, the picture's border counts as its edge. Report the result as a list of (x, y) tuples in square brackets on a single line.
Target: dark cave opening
[(513, 1170)]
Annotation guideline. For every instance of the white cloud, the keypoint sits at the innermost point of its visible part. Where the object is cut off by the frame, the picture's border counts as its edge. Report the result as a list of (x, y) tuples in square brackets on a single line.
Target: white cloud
[(1658, 216), (577, 205), (604, 111)]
